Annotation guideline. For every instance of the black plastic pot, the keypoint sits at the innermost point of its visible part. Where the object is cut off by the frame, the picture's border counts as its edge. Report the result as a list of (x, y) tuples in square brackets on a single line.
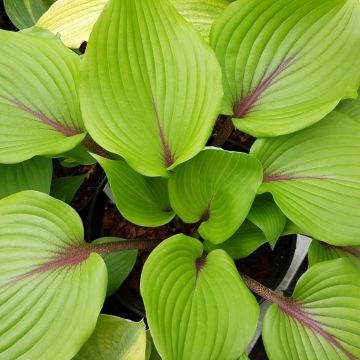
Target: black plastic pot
[(127, 302)]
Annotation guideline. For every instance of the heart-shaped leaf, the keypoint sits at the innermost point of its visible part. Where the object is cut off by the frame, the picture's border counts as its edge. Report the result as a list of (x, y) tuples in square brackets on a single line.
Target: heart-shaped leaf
[(39, 105), (320, 251), (153, 95), (118, 264), (244, 242), (351, 108), (201, 13), (34, 174), (268, 217), (73, 19), (314, 177), (217, 187), (52, 287), (115, 338), (25, 13), (197, 306), (142, 200), (286, 64), (322, 319)]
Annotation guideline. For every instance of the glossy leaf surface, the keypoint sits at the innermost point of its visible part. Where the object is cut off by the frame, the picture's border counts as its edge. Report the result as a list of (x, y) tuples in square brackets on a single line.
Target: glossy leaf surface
[(323, 319), (51, 287), (314, 177), (115, 338), (197, 307), (34, 174), (73, 19), (286, 64), (217, 187), (39, 105), (142, 200), (153, 95)]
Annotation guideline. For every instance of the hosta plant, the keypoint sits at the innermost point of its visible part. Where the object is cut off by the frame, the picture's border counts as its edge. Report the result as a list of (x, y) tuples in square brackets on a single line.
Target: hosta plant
[(143, 102)]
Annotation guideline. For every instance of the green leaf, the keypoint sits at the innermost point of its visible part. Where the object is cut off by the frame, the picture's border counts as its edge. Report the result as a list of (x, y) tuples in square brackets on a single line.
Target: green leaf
[(141, 200), (153, 95), (201, 13), (118, 264), (52, 287), (244, 357), (244, 242), (73, 19), (268, 217), (65, 188), (39, 106), (197, 306), (350, 108), (115, 338), (25, 13), (286, 64), (151, 352), (77, 156), (217, 187), (34, 174), (321, 321), (320, 251), (314, 177)]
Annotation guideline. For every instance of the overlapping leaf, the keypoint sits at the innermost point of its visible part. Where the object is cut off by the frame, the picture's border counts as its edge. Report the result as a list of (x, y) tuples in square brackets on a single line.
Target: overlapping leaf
[(115, 338), (73, 19), (197, 307), (286, 64), (351, 108), (314, 177), (320, 251), (65, 188), (217, 187), (201, 13), (153, 95), (39, 106), (51, 287), (321, 321), (118, 264), (34, 174), (141, 200), (25, 13)]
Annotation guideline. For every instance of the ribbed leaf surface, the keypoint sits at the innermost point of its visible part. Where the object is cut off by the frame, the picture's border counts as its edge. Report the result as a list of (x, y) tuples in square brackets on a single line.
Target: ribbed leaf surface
[(314, 176), (287, 63), (39, 106), (25, 13), (197, 307), (351, 108), (201, 13), (50, 296), (320, 251), (244, 242), (268, 217), (153, 95), (34, 174), (142, 200), (217, 187), (322, 322), (73, 19), (115, 338), (118, 264)]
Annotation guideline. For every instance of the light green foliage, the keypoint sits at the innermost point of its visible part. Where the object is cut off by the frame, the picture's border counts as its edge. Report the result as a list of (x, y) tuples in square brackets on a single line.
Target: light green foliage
[(115, 338), (320, 251), (314, 177), (286, 64), (326, 322), (350, 107), (142, 200), (34, 174), (48, 304), (216, 187), (118, 264), (39, 106), (196, 308), (155, 102), (25, 13)]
